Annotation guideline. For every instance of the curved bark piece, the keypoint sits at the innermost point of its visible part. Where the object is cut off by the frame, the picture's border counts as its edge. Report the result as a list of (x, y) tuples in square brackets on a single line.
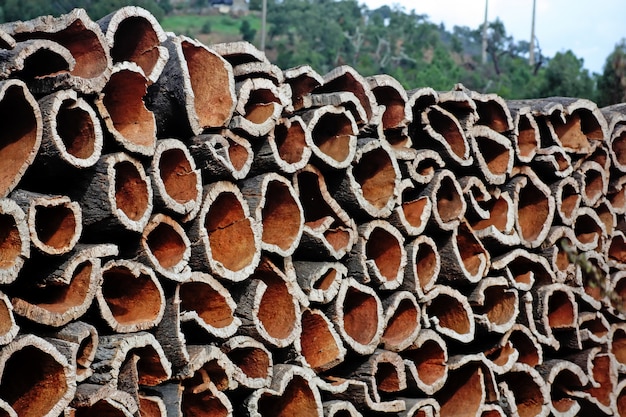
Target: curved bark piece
[(358, 393), (525, 392), (303, 80), (320, 281), (493, 153), (556, 312), (275, 205), (412, 211), (34, 60), (72, 135), (133, 34), (560, 237), (319, 346), (285, 148), (426, 360), (328, 230), (620, 398), (6, 40), (524, 269), (258, 107), (337, 408), (526, 135), (568, 198), (553, 163), (450, 313), (248, 70), (464, 393), (54, 222), (594, 328), (424, 265), (169, 334), (617, 345), (240, 52), (268, 306), (292, 392), (117, 196), (423, 165), (599, 396), (525, 343), (28, 390), (76, 32), (580, 122), (421, 407), (607, 215), (589, 229), (225, 237), (389, 92), (563, 377), (14, 240), (593, 180), (346, 78), (222, 156), (176, 182), (495, 304), (493, 112), (69, 287), (402, 321), (253, 364), (140, 351), (80, 341), (378, 255), (370, 187), (20, 141), (616, 194), (447, 134), (463, 257), (152, 406), (103, 400), (130, 298), (500, 358), (357, 314), (202, 393), (121, 106), (345, 100), (458, 102), (534, 207), (617, 147), (165, 247), (8, 326), (333, 136), (448, 205), (208, 303), (420, 99)]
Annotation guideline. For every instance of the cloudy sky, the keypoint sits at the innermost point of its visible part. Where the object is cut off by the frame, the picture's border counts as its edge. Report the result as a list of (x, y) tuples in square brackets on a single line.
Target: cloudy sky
[(589, 28)]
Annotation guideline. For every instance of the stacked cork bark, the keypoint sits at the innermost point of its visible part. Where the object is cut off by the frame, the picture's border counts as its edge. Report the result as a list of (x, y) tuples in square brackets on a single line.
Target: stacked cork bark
[(191, 231)]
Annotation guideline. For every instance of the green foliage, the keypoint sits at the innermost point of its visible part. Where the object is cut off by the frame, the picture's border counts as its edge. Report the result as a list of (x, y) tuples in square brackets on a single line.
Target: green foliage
[(246, 31), (565, 76), (612, 82), (206, 27), (195, 24)]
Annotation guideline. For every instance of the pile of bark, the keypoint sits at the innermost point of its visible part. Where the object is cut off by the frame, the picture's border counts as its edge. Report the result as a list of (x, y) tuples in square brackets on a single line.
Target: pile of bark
[(191, 231)]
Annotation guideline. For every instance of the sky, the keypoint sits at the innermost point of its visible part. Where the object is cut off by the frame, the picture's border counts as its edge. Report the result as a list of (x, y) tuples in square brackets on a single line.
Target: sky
[(589, 28)]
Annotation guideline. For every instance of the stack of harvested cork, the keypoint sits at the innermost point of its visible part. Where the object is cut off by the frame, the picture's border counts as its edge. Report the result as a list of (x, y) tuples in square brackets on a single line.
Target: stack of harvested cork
[(191, 231)]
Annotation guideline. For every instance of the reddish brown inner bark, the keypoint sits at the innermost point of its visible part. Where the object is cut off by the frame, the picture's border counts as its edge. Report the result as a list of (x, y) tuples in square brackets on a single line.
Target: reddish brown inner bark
[(602, 375), (179, 180), (5, 318), (254, 362), (450, 313), (413, 211), (595, 326), (210, 305), (33, 382), (212, 95), (376, 177), (499, 304), (10, 242), (493, 115), (167, 245), (18, 137), (84, 355), (59, 299), (360, 316), (281, 216), (564, 381), (101, 409), (445, 126), (426, 264), (324, 282), (498, 215), (402, 323), (297, 400), (496, 155), (331, 134), (123, 99), (260, 105), (238, 154), (429, 360), (131, 299), (560, 311), (462, 395), (277, 309), (528, 397), (526, 140), (131, 191), (136, 41), (532, 211), (149, 408), (473, 255), (619, 147), (203, 404), (76, 129), (570, 198), (55, 225), (319, 347), (570, 133), (587, 229), (230, 233), (594, 182), (527, 349), (618, 345), (448, 200), (394, 106), (290, 142), (386, 252), (387, 378)]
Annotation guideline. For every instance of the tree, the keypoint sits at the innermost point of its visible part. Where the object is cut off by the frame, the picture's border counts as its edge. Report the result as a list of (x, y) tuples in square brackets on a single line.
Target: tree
[(565, 76), (612, 82), (246, 31)]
